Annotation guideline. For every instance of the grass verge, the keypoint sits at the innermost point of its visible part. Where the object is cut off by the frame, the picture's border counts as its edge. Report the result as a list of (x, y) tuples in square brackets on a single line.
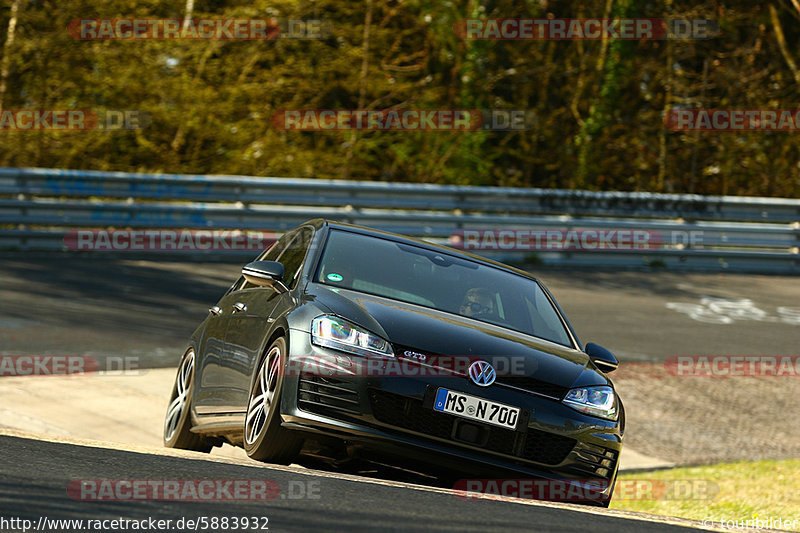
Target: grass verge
[(723, 492)]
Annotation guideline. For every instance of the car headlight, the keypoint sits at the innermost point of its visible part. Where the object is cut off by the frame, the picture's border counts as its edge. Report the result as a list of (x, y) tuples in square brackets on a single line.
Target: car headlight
[(339, 334), (596, 401)]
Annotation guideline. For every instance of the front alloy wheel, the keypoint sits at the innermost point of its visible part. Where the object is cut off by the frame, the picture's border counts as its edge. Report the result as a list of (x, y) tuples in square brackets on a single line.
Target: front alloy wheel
[(264, 438)]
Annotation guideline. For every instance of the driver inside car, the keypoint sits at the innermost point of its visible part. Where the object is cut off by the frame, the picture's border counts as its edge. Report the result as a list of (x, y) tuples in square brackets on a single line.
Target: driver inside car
[(477, 303)]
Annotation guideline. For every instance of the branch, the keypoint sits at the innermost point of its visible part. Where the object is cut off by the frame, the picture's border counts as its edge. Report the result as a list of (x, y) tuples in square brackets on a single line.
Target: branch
[(773, 15)]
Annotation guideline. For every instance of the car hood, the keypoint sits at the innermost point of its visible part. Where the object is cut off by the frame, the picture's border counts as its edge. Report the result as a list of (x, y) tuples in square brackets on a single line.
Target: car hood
[(433, 333)]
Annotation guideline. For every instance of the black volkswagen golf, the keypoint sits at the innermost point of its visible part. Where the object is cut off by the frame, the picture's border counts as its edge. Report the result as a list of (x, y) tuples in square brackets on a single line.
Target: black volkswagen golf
[(344, 343)]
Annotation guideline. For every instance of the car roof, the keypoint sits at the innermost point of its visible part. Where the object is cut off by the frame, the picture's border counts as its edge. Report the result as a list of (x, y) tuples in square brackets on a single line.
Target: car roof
[(364, 230)]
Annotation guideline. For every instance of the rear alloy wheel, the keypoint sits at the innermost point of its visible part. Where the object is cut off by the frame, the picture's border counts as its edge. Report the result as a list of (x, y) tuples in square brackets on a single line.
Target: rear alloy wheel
[(264, 438), (178, 421)]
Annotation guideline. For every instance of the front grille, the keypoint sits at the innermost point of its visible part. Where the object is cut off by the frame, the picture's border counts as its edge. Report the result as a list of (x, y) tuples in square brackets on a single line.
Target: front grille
[(534, 385), (408, 413), (399, 411), (321, 394), (502, 440), (547, 448)]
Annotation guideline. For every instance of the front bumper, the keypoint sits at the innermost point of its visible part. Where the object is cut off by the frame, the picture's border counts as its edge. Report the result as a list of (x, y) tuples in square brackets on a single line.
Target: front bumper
[(392, 417)]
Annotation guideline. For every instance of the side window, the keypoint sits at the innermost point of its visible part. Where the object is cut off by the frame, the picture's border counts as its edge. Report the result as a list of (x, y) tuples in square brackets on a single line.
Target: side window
[(293, 256)]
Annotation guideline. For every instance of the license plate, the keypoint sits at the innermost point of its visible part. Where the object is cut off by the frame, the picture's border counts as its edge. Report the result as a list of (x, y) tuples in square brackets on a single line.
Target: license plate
[(474, 408)]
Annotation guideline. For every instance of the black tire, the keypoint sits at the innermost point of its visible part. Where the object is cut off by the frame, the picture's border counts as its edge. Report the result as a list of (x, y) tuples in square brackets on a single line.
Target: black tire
[(264, 439), (178, 420)]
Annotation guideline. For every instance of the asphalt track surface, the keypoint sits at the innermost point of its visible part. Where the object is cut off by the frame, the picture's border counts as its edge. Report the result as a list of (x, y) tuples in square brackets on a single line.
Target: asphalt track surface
[(37, 472)]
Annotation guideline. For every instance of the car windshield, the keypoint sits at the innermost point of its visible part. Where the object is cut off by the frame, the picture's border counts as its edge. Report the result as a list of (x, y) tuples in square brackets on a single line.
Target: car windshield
[(440, 281)]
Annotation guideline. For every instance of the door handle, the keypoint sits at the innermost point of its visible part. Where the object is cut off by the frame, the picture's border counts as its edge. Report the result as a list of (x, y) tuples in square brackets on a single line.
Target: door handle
[(239, 307), (215, 310)]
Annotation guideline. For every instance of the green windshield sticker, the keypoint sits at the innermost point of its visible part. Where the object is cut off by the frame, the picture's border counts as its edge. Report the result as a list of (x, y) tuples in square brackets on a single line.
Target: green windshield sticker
[(333, 276)]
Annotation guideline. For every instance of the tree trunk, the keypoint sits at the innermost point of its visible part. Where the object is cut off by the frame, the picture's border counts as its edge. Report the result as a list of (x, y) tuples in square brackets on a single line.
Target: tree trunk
[(180, 134), (6, 64), (188, 10), (362, 90)]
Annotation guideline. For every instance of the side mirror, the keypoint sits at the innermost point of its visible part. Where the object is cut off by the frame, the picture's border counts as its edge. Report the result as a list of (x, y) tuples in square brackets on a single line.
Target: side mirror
[(601, 357), (263, 273)]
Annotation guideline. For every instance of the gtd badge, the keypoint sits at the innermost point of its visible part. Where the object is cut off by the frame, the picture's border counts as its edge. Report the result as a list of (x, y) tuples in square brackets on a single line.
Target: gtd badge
[(415, 355), (482, 373)]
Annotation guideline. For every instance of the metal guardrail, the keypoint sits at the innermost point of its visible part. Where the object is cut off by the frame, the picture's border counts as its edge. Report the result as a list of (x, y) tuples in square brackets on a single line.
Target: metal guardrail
[(39, 206)]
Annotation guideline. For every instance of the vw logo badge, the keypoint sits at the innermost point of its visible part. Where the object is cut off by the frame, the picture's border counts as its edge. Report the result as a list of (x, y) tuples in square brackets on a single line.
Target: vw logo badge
[(482, 373)]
